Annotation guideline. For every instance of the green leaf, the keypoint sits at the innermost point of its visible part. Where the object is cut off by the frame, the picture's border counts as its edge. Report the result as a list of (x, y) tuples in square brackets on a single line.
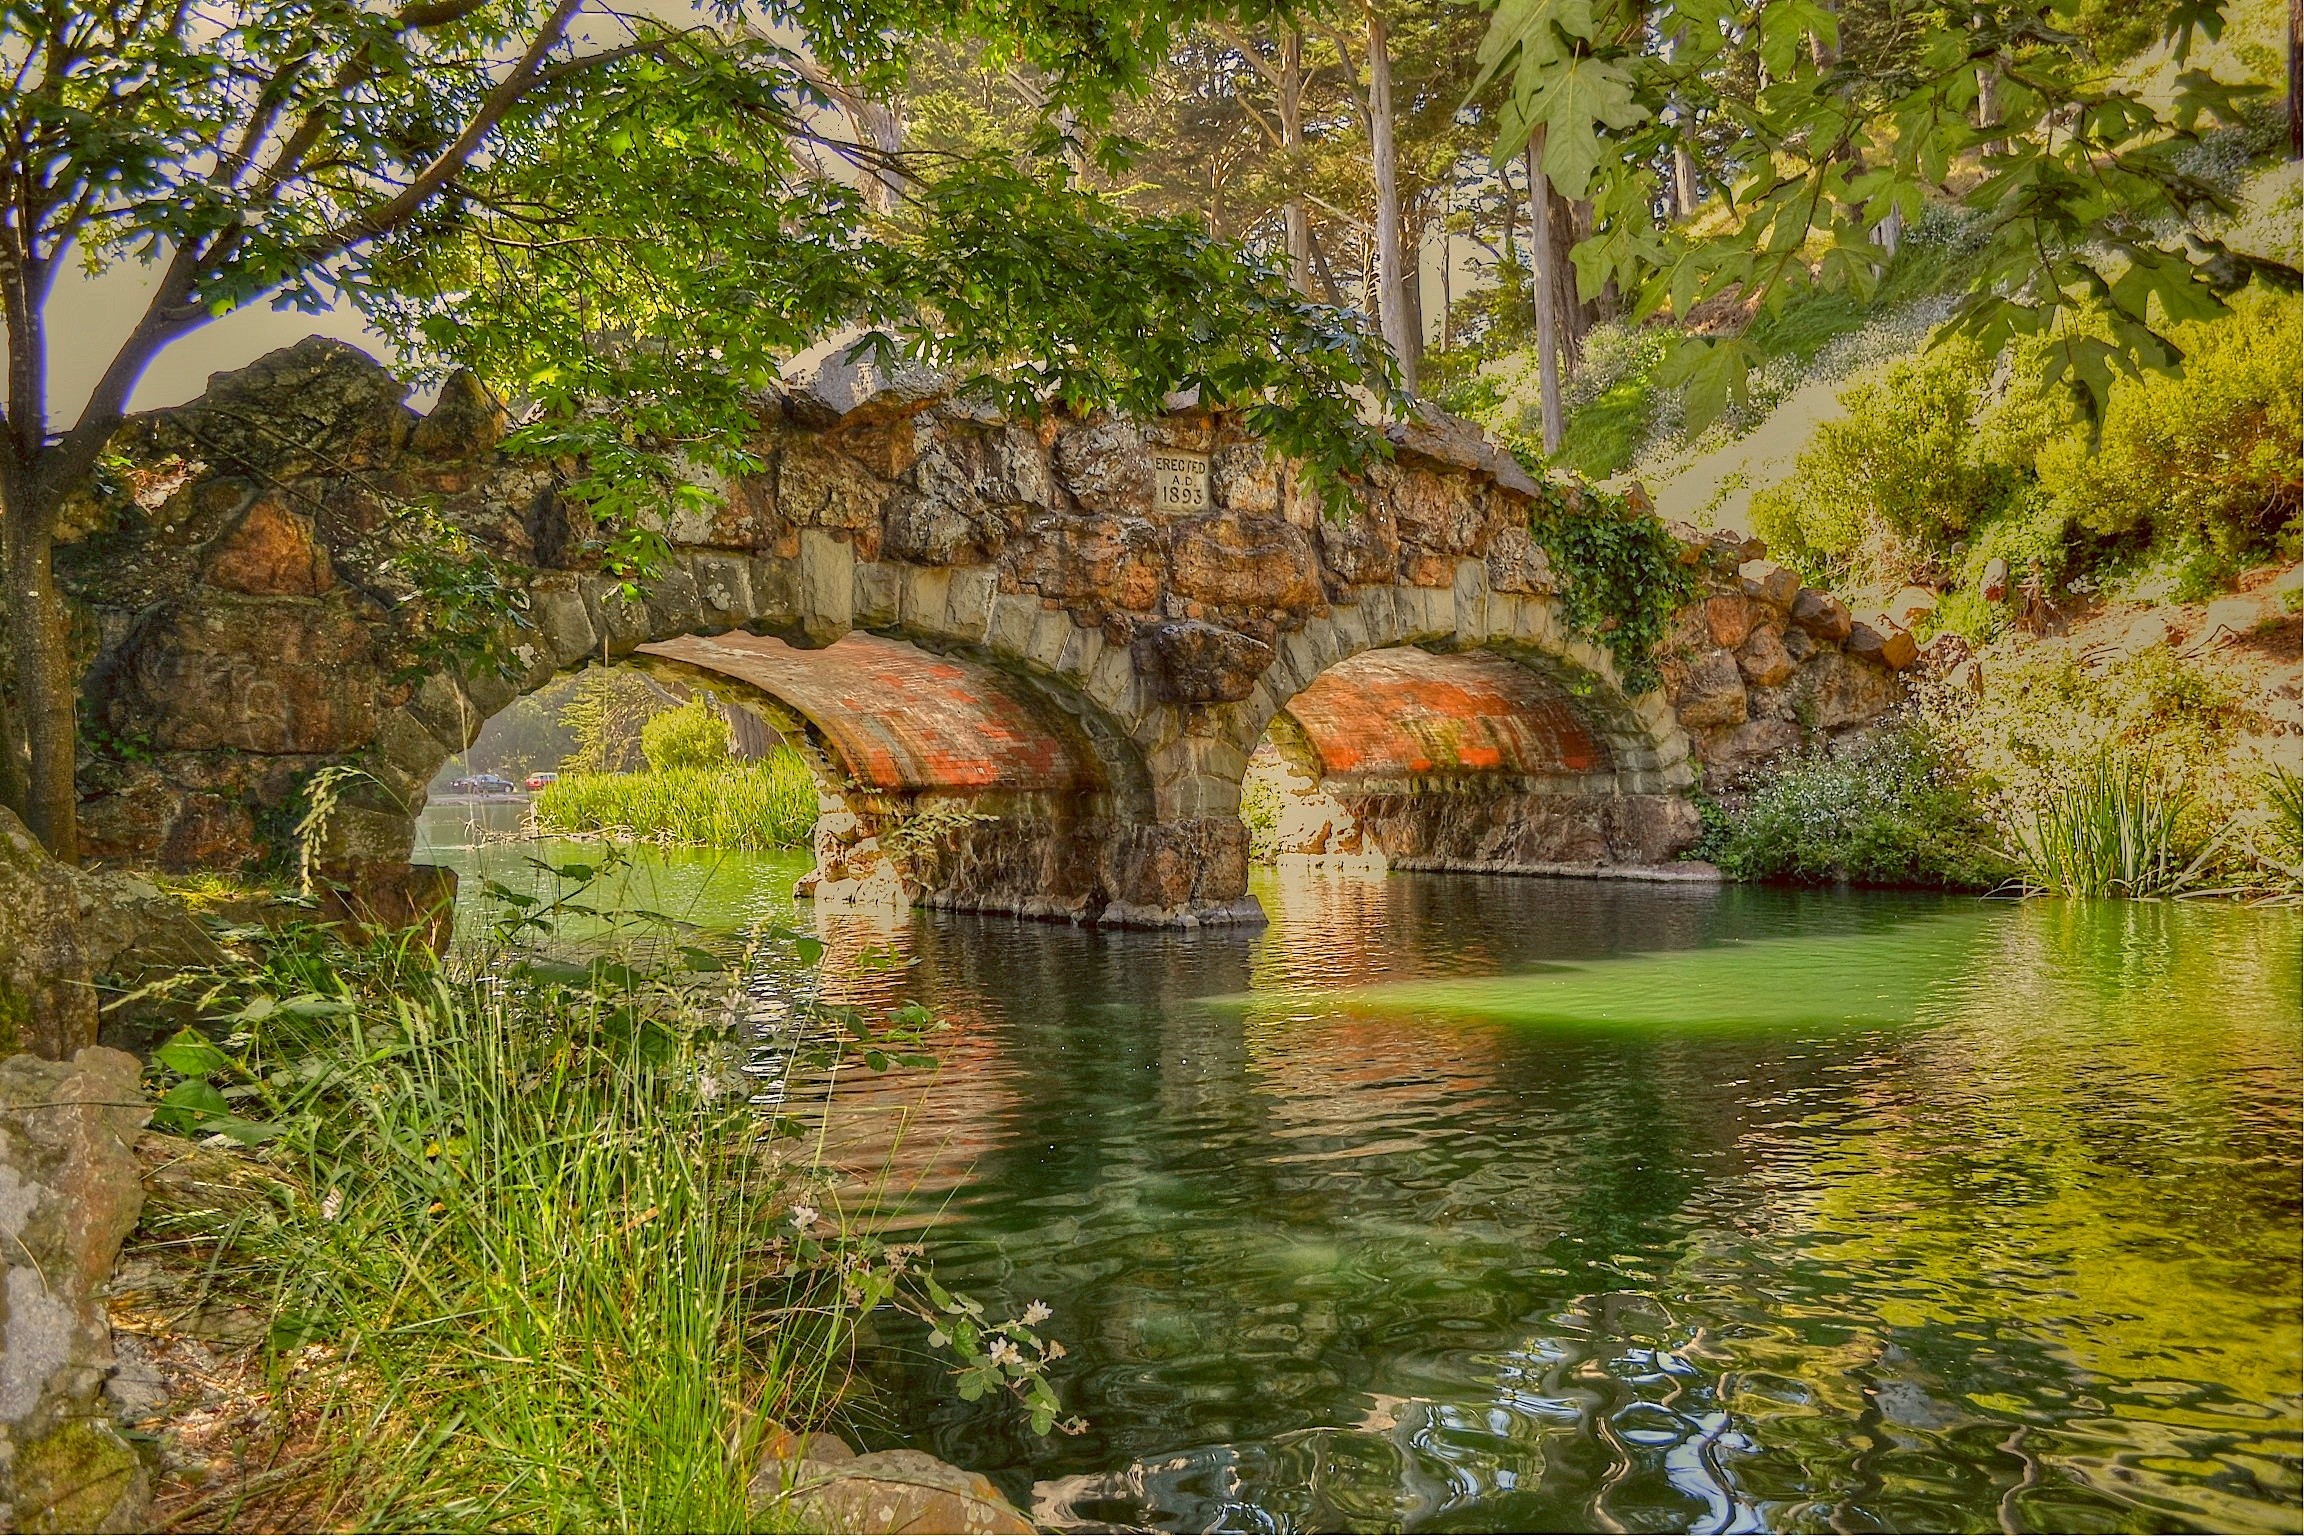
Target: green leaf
[(189, 1053), (1572, 100)]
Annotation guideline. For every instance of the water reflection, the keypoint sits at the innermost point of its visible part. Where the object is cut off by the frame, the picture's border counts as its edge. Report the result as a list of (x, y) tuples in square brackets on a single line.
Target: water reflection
[(1464, 1204)]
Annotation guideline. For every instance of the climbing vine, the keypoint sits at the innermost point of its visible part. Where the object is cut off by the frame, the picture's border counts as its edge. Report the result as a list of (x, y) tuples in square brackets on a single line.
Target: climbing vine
[(1623, 570)]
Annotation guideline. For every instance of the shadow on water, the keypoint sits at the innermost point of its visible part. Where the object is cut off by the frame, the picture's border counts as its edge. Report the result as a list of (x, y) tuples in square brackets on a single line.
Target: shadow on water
[(1452, 1203)]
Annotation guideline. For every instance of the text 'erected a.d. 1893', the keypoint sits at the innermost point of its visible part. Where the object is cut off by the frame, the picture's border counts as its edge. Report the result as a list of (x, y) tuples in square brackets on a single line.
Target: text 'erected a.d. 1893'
[(1179, 481)]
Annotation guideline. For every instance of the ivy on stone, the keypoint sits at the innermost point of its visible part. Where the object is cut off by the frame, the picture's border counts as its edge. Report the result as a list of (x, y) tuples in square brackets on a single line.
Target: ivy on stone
[(1624, 576)]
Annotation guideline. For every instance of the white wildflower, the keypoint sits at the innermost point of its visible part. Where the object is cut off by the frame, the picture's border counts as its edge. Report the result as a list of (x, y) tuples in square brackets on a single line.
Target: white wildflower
[(1038, 1312), (804, 1217), (1003, 1351)]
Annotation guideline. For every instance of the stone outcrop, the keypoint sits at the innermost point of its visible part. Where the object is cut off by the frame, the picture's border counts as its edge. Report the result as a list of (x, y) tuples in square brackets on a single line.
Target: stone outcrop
[(1760, 666), (248, 615), (69, 1195), (47, 999), (819, 1481)]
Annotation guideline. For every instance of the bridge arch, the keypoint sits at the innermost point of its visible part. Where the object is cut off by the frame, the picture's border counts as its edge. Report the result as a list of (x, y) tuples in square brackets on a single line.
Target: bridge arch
[(251, 621)]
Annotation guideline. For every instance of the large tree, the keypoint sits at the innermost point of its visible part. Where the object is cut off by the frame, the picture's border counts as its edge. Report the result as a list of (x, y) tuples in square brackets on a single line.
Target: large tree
[(622, 224)]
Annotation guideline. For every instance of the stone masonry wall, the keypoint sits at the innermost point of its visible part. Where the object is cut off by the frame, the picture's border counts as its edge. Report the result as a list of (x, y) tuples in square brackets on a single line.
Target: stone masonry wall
[(247, 604)]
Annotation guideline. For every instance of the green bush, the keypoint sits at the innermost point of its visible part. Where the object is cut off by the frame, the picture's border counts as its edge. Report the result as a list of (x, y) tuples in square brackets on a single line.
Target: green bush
[(752, 806), (2210, 457), (1944, 461), (1885, 492), (1896, 810), (693, 736)]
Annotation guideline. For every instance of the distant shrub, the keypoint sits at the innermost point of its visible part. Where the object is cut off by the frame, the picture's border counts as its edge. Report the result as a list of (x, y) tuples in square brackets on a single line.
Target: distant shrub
[(2211, 456), (1885, 492), (752, 806), (1896, 810), (693, 736)]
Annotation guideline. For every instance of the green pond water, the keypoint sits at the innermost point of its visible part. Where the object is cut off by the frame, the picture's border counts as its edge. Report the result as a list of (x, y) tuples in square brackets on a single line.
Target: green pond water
[(1458, 1203)]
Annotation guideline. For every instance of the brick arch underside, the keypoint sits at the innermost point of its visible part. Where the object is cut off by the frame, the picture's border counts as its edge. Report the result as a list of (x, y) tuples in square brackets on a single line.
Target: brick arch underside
[(1476, 760), (1018, 802)]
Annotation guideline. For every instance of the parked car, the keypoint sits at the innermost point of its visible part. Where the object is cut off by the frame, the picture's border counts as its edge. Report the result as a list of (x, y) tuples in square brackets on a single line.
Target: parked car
[(481, 784), (539, 780)]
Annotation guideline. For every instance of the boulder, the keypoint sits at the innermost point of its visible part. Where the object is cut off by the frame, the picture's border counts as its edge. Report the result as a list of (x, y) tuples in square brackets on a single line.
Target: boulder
[(1727, 619), (1767, 582), (1732, 754), (1709, 690), (270, 552), (1191, 662), (72, 1194), (1838, 689), (466, 422), (47, 1004), (816, 1479), (1822, 615), (1894, 649), (1909, 606), (1763, 659), (1245, 560)]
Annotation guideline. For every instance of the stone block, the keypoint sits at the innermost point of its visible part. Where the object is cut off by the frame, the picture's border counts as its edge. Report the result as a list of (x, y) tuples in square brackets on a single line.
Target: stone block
[(923, 598), (968, 606), (723, 588), (1187, 661), (251, 674), (1894, 650), (271, 552), (1727, 619), (46, 1002), (67, 1161), (1009, 631), (1764, 581), (1245, 561), (878, 592), (562, 623), (1051, 629), (1822, 615), (1106, 463), (826, 598), (1709, 691), (1763, 658)]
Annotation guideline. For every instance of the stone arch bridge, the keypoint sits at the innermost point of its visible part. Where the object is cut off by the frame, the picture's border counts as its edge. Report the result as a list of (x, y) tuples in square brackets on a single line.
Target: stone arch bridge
[(1053, 645)]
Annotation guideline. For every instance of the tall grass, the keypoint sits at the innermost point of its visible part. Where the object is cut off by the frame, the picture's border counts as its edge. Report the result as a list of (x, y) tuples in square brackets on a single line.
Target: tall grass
[(526, 1226), (754, 806), (2115, 829)]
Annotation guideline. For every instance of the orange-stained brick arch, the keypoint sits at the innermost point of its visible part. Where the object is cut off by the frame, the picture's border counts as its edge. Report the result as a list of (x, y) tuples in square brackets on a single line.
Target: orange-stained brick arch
[(898, 717), (1408, 713)]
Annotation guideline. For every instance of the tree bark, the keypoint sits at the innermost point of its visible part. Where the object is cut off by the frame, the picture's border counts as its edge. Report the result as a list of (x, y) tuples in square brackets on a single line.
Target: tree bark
[(1392, 318), (1545, 257), (40, 640), (1292, 145)]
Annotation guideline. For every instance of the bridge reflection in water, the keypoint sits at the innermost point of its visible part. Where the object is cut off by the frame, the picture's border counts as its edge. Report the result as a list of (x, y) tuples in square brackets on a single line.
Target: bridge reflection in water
[(1452, 1202)]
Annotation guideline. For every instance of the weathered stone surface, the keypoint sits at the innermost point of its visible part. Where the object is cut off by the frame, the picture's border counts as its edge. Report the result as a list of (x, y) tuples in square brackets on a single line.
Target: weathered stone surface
[(466, 422), (1195, 663), (273, 675), (1106, 463), (47, 1004), (1517, 563), (270, 552), (1894, 650), (1094, 564), (1243, 560), (1728, 619), (1822, 615), (1709, 690), (1733, 753), (69, 1195), (1765, 581), (1764, 660), (1838, 690), (895, 1493)]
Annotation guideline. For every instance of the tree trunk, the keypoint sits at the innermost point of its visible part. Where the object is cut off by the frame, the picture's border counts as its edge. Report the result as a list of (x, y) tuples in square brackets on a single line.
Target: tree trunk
[(1684, 193), (1292, 144), (2296, 79), (1391, 316), (38, 635), (1545, 256)]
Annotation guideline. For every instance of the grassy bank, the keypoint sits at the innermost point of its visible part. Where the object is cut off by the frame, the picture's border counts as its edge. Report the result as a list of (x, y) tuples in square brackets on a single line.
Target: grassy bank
[(769, 803), (514, 1247)]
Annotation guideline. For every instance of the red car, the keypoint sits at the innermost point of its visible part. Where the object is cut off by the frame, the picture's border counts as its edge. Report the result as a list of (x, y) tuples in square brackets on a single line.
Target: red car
[(539, 780)]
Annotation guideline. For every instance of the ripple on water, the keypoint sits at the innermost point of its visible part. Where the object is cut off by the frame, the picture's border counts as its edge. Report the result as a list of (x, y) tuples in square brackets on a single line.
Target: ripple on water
[(1465, 1204)]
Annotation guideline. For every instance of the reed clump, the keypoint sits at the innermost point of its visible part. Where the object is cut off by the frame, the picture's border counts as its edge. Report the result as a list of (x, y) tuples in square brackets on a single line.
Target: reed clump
[(748, 806)]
